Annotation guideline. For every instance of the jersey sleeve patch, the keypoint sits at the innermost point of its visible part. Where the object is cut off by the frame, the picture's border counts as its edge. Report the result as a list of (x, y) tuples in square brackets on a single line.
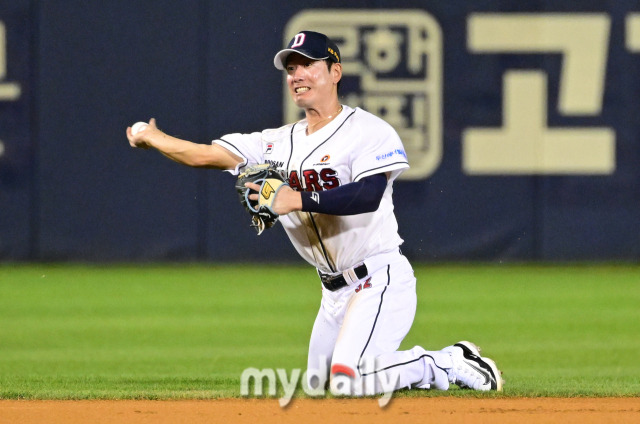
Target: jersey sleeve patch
[(392, 154)]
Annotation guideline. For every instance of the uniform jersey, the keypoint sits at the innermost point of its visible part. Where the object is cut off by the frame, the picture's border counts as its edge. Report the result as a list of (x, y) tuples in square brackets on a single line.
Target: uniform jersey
[(354, 145)]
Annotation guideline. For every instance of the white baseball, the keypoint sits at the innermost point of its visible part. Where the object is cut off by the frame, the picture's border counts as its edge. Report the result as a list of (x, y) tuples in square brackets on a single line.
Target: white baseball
[(138, 126)]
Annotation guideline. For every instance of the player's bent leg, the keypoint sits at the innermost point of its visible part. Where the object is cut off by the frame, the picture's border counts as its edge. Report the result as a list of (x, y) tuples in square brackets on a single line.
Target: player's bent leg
[(366, 360)]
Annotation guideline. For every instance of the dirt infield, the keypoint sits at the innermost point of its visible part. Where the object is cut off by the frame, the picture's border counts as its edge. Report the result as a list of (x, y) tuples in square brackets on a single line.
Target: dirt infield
[(406, 410)]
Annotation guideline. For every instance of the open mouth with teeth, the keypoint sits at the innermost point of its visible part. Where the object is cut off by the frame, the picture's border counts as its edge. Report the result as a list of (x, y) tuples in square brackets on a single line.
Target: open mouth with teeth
[(302, 90)]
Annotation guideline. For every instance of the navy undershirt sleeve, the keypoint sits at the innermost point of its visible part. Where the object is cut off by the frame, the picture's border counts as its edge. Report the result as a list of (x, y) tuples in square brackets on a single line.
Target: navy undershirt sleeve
[(350, 199)]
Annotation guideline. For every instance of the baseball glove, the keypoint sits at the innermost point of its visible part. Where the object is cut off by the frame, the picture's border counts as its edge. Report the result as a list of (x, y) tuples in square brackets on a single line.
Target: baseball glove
[(270, 181)]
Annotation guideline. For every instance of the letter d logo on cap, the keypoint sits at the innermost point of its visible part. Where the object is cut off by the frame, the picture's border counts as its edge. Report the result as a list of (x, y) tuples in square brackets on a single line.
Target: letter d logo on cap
[(298, 40)]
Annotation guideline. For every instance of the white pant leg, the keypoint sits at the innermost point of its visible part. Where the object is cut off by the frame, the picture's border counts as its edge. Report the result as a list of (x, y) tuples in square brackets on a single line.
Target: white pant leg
[(414, 368), (323, 339)]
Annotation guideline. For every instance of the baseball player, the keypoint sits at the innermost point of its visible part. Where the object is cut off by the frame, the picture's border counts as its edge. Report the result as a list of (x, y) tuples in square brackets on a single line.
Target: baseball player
[(337, 209)]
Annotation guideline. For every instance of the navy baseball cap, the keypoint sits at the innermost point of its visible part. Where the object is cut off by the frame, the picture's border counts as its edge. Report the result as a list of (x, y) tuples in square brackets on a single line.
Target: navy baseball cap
[(313, 45)]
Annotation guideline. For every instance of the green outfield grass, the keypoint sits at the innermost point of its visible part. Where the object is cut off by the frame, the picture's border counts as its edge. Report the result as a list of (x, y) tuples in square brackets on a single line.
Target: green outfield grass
[(188, 331)]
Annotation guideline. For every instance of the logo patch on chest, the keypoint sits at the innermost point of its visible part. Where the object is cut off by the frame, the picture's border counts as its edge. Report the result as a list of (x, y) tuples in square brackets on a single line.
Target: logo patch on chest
[(324, 161)]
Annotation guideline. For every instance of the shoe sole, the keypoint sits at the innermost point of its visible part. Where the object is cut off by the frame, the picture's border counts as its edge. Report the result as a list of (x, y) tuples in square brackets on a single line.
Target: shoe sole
[(473, 351)]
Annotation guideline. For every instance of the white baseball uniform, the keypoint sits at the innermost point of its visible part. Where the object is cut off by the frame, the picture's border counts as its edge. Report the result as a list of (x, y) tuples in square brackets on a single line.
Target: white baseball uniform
[(369, 317)]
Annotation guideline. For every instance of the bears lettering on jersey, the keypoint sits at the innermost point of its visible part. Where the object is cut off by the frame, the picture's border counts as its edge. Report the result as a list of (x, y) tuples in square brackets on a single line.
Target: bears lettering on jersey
[(329, 178), (313, 180), (294, 181)]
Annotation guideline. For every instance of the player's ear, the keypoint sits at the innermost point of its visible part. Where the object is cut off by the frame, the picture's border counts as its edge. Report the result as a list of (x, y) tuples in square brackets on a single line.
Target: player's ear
[(336, 72)]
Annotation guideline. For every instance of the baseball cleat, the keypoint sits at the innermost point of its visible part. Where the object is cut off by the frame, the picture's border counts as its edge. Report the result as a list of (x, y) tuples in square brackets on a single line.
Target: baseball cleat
[(470, 370)]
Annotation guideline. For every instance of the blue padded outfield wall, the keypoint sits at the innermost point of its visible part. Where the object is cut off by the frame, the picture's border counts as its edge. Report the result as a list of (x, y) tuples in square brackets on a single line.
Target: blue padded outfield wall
[(521, 120)]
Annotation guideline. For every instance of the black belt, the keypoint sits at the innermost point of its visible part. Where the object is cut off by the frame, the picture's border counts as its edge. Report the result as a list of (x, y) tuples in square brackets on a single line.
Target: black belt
[(336, 282)]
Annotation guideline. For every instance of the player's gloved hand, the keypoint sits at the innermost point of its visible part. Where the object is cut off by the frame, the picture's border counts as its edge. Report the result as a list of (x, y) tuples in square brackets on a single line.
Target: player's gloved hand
[(287, 199), (258, 187)]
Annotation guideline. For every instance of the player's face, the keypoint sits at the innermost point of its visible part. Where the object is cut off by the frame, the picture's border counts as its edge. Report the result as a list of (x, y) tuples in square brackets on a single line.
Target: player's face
[(310, 82)]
